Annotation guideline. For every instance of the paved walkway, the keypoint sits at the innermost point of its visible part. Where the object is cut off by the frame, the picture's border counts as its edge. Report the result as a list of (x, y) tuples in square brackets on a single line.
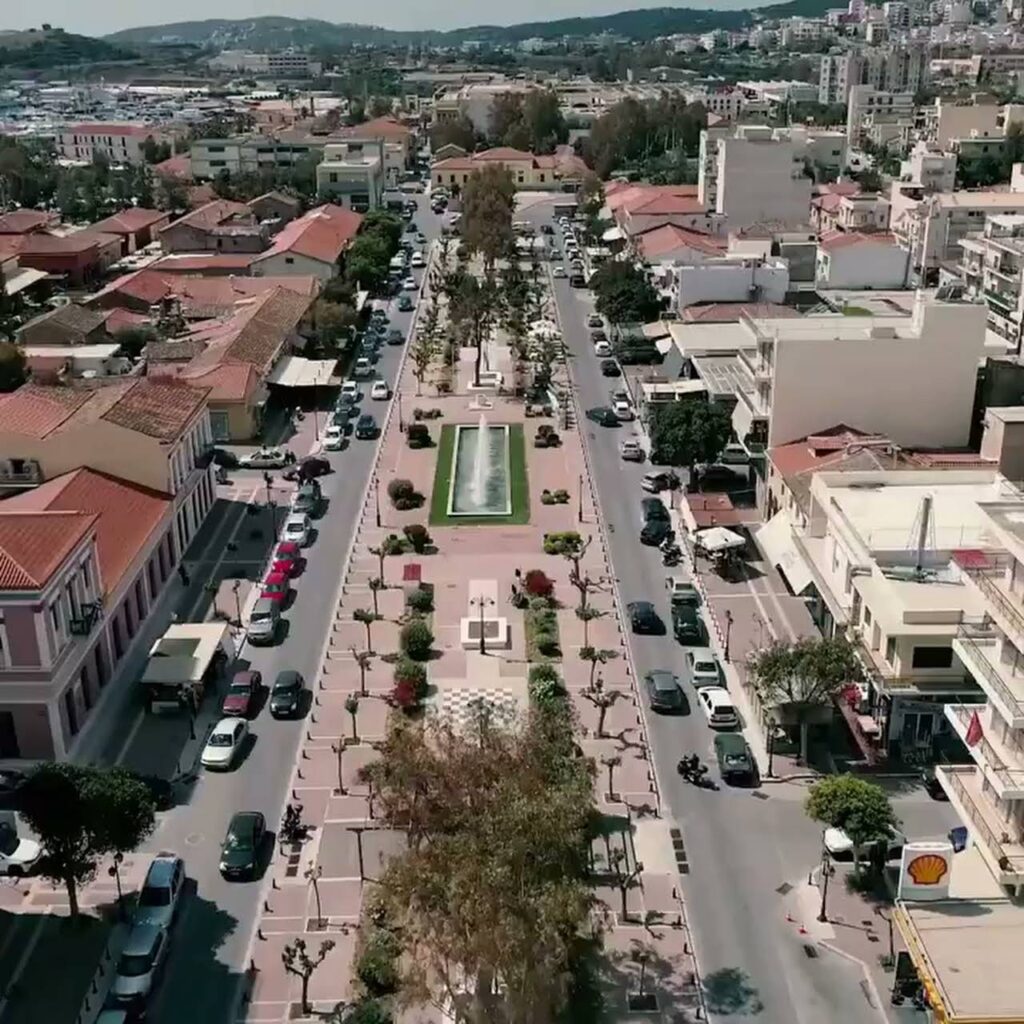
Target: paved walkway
[(348, 846)]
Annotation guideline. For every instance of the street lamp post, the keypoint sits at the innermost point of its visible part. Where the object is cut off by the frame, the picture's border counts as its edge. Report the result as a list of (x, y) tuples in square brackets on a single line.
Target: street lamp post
[(235, 587), (115, 873), (482, 602), (376, 499), (771, 724), (728, 633), (579, 510), (827, 871), (398, 400)]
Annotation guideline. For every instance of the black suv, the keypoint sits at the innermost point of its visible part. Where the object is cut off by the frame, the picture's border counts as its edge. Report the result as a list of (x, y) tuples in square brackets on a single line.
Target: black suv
[(654, 509)]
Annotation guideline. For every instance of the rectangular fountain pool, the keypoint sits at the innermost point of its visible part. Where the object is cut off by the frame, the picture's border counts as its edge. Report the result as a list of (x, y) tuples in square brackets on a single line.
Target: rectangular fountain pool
[(480, 479)]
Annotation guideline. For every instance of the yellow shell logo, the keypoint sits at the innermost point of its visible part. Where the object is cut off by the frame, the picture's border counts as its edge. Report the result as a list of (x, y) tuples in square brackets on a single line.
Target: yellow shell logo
[(927, 869)]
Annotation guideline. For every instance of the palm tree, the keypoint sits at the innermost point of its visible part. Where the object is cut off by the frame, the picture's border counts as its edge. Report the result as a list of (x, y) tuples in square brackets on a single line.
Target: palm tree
[(367, 618), (363, 660), (352, 707)]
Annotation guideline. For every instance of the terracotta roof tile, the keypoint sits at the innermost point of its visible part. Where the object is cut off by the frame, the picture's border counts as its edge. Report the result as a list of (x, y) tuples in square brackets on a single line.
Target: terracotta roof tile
[(833, 240), (160, 409), (733, 312), (33, 545), (19, 222), (321, 234), (125, 514), (129, 221), (665, 238)]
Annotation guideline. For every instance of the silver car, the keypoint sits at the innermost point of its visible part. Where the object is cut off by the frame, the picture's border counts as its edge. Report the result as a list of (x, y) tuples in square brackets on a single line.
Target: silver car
[(262, 628), (141, 959), (161, 891)]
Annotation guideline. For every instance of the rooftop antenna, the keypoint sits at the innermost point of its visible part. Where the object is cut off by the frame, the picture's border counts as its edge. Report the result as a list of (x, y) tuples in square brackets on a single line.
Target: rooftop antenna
[(924, 523)]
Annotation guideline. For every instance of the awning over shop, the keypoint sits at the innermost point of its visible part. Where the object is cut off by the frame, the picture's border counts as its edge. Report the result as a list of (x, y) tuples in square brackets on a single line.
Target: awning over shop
[(717, 538), (613, 234), (775, 539), (22, 279), (297, 372)]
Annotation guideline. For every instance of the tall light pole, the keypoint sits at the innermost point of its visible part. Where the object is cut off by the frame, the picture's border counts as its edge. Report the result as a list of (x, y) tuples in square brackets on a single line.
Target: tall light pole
[(398, 400), (579, 510), (771, 724), (376, 499), (235, 587), (728, 633), (827, 871), (115, 873), (482, 602)]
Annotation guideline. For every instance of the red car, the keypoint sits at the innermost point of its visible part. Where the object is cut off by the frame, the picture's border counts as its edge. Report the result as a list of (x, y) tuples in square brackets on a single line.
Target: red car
[(241, 695), (286, 558), (276, 586)]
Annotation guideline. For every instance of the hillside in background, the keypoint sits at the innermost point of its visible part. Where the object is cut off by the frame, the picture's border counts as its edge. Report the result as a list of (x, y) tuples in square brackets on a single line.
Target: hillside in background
[(276, 33), (52, 48)]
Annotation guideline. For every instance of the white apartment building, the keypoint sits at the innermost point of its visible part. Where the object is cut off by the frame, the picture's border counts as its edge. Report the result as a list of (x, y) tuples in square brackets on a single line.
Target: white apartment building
[(801, 32), (727, 103), (243, 154), (868, 108), (851, 259), (992, 267), (929, 167), (834, 369), (119, 143), (933, 226), (731, 161), (866, 211), (280, 64), (352, 175), (723, 279), (890, 68)]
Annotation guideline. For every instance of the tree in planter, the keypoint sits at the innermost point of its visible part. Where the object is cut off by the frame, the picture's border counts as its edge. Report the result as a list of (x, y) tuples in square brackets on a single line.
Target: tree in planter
[(420, 600), (624, 879), (473, 305), (596, 656), (297, 960), (611, 762), (410, 683), (363, 660), (537, 583), (422, 354), (391, 545), (376, 960), (403, 495), (545, 686), (858, 807), (376, 584), (367, 618), (586, 614), (79, 814), (803, 677), (352, 707), (418, 537), (416, 640), (686, 433), (602, 699)]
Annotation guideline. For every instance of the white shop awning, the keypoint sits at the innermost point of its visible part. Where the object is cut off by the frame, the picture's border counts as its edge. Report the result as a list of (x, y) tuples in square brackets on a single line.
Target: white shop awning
[(775, 539), (718, 538), (22, 279), (613, 234), (297, 372)]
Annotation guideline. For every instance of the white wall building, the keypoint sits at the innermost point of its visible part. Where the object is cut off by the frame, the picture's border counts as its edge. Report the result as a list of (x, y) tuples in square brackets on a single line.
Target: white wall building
[(929, 167), (352, 175), (724, 279), (992, 267), (280, 64), (850, 259)]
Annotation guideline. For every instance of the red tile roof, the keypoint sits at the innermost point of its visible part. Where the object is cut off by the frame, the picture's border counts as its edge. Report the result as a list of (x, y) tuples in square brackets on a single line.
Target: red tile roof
[(131, 130), (34, 545), (733, 312), (45, 245), (321, 234), (129, 221), (20, 222), (378, 128), (229, 382), (198, 263), (125, 514), (816, 450), (122, 319), (158, 409), (665, 238), (215, 213), (833, 240), (179, 166)]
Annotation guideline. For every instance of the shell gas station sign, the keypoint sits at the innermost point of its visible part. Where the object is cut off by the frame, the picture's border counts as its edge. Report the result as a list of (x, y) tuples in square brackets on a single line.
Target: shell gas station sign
[(925, 871)]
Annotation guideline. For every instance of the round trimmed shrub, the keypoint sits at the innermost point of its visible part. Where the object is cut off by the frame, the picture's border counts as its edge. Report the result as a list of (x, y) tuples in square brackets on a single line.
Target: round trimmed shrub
[(538, 584), (400, 490), (414, 674), (377, 962), (420, 600), (418, 536), (416, 640)]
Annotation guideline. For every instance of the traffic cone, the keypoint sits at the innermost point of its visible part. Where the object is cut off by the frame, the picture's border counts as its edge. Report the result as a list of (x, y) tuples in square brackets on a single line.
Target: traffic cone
[(802, 930)]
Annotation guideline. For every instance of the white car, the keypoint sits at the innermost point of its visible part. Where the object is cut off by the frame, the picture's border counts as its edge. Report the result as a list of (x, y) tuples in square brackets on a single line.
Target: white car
[(624, 411), (265, 458), (558, 272), (350, 388), (18, 856), (703, 666), (602, 349), (380, 390), (296, 528), (334, 438), (418, 260), (840, 845), (142, 957), (717, 705), (225, 743), (410, 285), (363, 368)]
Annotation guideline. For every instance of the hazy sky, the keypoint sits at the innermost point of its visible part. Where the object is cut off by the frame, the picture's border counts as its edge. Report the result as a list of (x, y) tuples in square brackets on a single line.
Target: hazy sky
[(97, 17)]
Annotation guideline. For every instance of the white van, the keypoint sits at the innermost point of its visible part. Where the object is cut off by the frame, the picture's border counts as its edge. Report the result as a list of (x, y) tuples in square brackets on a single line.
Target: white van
[(397, 265), (717, 705)]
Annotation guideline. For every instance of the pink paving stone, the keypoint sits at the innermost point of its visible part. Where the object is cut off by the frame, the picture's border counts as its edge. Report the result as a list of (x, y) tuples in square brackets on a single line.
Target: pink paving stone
[(620, 718), (264, 1013), (314, 801), (340, 898), (287, 901), (317, 767), (333, 721), (340, 671), (661, 896), (347, 809), (339, 850), (332, 981), (347, 633), (611, 897)]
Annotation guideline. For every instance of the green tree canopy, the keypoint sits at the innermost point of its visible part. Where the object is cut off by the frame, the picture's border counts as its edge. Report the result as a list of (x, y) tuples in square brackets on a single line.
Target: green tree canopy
[(13, 367), (487, 203), (385, 224), (801, 678), (459, 132), (493, 883), (687, 433), (624, 294), (858, 807), (81, 813), (366, 262)]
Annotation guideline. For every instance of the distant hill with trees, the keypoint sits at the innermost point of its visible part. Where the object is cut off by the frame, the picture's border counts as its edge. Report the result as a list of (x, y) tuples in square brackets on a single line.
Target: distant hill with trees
[(48, 47)]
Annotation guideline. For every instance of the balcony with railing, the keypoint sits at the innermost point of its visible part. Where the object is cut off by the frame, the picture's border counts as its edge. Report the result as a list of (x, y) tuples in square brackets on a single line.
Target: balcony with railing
[(987, 571), (1003, 852), (1001, 764), (18, 474), (978, 648), (889, 683)]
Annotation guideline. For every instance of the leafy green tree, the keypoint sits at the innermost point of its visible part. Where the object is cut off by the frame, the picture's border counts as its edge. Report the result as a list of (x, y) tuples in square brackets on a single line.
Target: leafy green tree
[(505, 116), (333, 321), (381, 106), (689, 432), (487, 203), (802, 678), (473, 306), (13, 367), (367, 259), (81, 813), (543, 120), (502, 818), (860, 808), (132, 341), (624, 294), (459, 132), (386, 225)]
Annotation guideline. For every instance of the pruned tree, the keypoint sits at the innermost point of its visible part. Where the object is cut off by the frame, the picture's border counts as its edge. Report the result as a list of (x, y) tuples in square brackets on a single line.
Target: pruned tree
[(860, 808), (503, 823), (803, 677), (352, 707), (611, 762), (586, 613), (367, 617), (602, 699), (363, 660), (297, 960), (376, 585), (596, 656)]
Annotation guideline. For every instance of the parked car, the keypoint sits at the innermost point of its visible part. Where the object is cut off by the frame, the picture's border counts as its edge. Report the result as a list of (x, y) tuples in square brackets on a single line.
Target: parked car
[(595, 320), (366, 428), (603, 350), (733, 756), (243, 843), (653, 508), (287, 558), (410, 284), (610, 368), (363, 368), (688, 625), (604, 416), (840, 845), (663, 691), (263, 622), (717, 478), (717, 705), (307, 498), (298, 528), (286, 694), (631, 451), (654, 532), (266, 458), (404, 304), (597, 335), (242, 694), (334, 437), (623, 411), (558, 271), (644, 618), (162, 888), (418, 260), (658, 481), (682, 591), (381, 390), (703, 667), (224, 744), (394, 337), (276, 588), (351, 391), (19, 855), (142, 958), (577, 281)]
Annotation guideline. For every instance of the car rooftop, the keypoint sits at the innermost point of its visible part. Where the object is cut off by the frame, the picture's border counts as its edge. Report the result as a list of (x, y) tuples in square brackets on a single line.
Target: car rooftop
[(161, 870), (140, 939)]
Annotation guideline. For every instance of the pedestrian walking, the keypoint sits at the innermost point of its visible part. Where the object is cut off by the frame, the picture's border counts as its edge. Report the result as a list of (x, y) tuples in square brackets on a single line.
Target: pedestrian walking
[(183, 574)]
